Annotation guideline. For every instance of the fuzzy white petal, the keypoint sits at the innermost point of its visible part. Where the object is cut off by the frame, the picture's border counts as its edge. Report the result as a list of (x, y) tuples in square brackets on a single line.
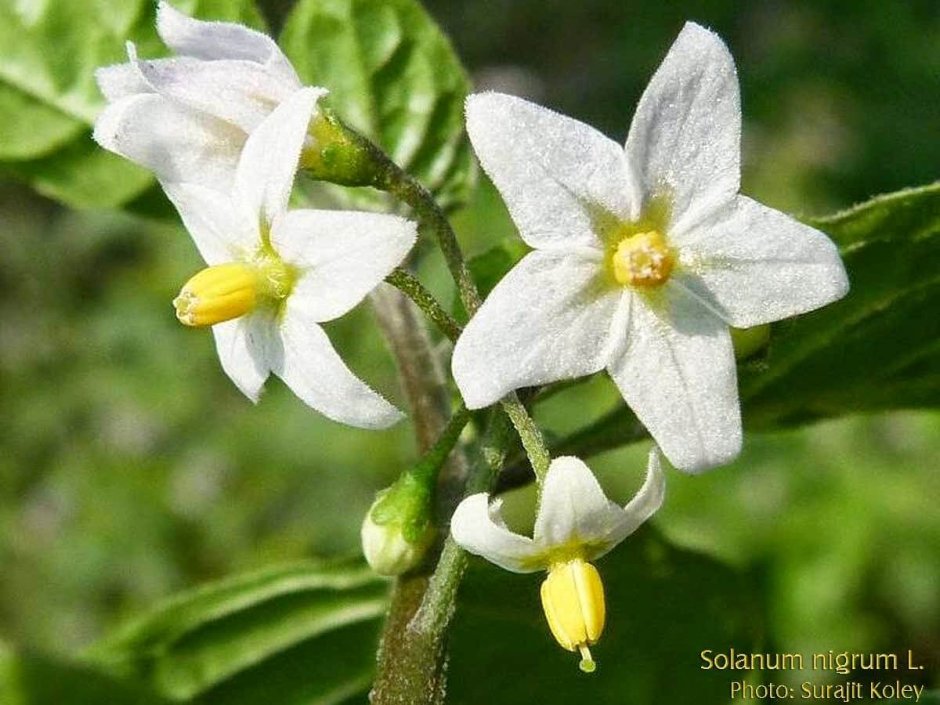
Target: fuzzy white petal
[(753, 265), (175, 143), (120, 81), (244, 348), (222, 230), (685, 140), (478, 528), (342, 255), (239, 92), (573, 508), (557, 176), (677, 373), (311, 367), (644, 504), (548, 319), (220, 40), (265, 173)]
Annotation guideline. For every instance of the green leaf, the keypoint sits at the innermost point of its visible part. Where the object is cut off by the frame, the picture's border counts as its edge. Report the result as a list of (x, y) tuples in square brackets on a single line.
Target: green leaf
[(394, 76), (48, 97), (665, 605), (300, 634), (874, 349), (28, 679)]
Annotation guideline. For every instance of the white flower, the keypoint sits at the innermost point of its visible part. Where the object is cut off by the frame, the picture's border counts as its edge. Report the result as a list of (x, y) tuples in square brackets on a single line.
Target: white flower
[(276, 274), (187, 118), (643, 256), (575, 524)]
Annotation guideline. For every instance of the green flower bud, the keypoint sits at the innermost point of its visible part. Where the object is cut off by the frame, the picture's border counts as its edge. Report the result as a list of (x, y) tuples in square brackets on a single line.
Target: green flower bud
[(337, 154), (397, 530)]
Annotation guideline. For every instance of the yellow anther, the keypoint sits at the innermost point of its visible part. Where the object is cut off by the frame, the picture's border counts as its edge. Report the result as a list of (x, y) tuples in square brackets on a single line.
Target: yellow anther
[(643, 260), (573, 600), (217, 294)]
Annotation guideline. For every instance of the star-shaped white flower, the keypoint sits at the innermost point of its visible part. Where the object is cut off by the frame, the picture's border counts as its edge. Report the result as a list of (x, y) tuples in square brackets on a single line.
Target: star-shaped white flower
[(187, 118), (275, 274), (575, 524), (643, 256)]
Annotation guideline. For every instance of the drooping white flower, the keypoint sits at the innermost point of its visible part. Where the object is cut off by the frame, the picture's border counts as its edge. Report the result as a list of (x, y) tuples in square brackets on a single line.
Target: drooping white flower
[(642, 256), (275, 274), (575, 524), (187, 118)]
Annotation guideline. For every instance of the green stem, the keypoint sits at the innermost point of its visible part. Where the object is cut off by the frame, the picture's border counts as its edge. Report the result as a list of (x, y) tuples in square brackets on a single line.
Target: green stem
[(425, 470), (412, 288)]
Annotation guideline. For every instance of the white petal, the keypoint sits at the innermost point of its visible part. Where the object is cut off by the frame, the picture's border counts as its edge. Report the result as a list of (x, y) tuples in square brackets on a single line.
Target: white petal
[(175, 143), (265, 173), (677, 373), (573, 508), (120, 81), (644, 504), (558, 176), (548, 319), (754, 265), (343, 255), (221, 229), (685, 139), (310, 366), (478, 528), (220, 40), (239, 92), (244, 348)]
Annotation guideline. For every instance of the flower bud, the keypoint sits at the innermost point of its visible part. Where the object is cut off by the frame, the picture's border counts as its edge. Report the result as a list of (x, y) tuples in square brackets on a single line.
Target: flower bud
[(336, 154), (397, 530)]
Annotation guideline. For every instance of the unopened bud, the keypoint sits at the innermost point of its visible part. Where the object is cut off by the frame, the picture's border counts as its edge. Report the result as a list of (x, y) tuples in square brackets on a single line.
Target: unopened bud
[(397, 530)]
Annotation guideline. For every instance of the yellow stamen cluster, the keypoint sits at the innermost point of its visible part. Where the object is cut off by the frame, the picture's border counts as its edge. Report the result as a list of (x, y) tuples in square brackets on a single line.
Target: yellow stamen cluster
[(643, 260), (573, 600), (226, 291)]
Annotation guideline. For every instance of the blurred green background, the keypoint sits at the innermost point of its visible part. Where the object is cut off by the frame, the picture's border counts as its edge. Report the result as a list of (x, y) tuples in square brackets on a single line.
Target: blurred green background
[(130, 467)]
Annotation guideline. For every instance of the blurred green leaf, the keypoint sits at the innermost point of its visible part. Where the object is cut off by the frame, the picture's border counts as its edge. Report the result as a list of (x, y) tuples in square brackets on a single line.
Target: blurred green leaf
[(305, 633), (664, 606), (394, 76), (876, 348), (48, 97), (27, 679)]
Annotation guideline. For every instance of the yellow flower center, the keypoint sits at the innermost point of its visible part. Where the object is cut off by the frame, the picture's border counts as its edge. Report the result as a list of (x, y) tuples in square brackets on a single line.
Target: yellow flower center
[(573, 600), (643, 260), (226, 291)]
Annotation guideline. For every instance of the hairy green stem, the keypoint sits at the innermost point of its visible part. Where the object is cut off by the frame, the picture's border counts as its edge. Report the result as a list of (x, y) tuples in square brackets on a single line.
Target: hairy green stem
[(409, 285)]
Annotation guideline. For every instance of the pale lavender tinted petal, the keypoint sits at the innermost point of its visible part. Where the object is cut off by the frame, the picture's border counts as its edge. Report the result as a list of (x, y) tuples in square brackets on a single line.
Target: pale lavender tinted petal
[(685, 140), (120, 81), (548, 319), (478, 528), (220, 40), (175, 143), (752, 265), (677, 373), (342, 255), (557, 176), (239, 92)]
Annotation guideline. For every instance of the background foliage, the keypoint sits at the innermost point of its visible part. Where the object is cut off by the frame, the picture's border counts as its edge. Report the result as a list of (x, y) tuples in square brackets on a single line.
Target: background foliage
[(131, 468)]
